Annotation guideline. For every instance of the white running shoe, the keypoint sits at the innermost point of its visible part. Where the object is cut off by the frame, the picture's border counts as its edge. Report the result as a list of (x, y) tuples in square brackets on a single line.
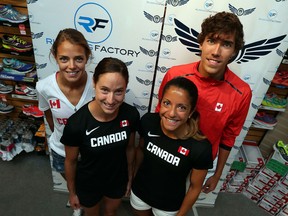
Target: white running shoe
[(78, 212)]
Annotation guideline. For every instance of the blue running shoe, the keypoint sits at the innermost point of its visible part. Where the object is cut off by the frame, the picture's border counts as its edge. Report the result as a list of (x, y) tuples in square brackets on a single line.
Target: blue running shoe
[(5, 89), (5, 108), (15, 65), (8, 13)]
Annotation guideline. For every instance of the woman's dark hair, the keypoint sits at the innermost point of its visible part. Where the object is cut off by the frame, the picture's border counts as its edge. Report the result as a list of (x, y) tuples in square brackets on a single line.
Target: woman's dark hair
[(108, 65), (74, 37), (192, 91), (185, 84), (223, 23)]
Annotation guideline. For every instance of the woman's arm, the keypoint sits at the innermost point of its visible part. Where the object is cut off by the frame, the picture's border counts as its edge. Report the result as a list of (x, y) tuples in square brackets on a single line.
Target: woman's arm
[(139, 155), (49, 119), (70, 173), (130, 152), (196, 181)]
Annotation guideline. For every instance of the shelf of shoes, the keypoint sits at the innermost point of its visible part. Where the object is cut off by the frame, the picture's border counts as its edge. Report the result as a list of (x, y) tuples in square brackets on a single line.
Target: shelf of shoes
[(15, 96), (274, 101), (16, 70), (17, 63), (14, 22)]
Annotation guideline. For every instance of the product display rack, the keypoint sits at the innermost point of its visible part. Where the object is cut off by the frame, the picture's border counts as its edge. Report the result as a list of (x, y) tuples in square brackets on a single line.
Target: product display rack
[(257, 133), (21, 30)]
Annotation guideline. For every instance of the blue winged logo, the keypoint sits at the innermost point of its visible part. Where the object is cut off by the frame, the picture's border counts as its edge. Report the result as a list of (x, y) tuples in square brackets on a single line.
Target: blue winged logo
[(188, 37)]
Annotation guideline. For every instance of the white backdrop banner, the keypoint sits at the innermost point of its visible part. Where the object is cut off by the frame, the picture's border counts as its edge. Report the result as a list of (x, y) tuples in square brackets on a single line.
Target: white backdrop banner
[(128, 30)]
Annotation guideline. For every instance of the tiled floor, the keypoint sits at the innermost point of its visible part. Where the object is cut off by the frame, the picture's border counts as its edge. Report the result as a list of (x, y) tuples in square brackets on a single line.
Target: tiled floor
[(26, 189)]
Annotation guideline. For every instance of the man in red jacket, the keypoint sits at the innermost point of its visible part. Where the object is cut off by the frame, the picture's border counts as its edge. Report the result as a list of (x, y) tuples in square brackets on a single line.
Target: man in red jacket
[(224, 98)]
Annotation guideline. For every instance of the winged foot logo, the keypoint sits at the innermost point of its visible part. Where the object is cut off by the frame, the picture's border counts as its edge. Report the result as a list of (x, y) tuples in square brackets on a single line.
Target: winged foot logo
[(252, 51)]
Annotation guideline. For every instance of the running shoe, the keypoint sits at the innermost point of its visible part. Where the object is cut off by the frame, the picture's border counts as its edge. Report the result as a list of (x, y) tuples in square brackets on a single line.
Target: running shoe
[(15, 65), (263, 119), (5, 89), (32, 110), (78, 212), (16, 43), (5, 108), (281, 78), (272, 100), (8, 13), (282, 148), (7, 144), (23, 89)]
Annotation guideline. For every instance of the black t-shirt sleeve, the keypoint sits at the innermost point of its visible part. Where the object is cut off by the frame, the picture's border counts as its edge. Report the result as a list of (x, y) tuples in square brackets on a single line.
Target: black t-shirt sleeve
[(70, 136), (204, 159), (135, 118), (146, 121), (73, 130)]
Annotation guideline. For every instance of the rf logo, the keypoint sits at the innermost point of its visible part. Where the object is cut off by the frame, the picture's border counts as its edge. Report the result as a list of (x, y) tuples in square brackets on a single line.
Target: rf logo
[(94, 21)]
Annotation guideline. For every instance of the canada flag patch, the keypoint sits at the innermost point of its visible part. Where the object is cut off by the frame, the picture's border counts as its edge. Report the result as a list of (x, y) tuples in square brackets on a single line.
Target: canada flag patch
[(183, 150), (54, 104), (218, 107), (124, 123)]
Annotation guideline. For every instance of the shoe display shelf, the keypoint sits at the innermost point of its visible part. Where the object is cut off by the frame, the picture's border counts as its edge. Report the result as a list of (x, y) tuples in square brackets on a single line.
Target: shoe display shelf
[(274, 102), (20, 103)]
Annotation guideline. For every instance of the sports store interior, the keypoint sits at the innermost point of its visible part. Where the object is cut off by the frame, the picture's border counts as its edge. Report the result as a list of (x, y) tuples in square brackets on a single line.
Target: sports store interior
[(254, 180)]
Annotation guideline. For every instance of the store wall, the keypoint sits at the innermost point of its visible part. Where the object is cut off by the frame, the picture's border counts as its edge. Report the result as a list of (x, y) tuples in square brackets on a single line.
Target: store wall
[(131, 30)]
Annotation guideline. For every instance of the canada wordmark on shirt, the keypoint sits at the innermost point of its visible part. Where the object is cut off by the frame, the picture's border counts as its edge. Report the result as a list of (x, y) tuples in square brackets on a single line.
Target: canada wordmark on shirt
[(108, 139), (161, 153)]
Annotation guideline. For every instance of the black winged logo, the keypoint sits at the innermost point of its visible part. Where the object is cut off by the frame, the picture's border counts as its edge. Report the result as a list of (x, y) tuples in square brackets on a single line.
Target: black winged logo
[(177, 2), (155, 19), (145, 82), (41, 66), (252, 51), (31, 1), (280, 53), (150, 53), (128, 63), (37, 35), (240, 11), (169, 38), (142, 107)]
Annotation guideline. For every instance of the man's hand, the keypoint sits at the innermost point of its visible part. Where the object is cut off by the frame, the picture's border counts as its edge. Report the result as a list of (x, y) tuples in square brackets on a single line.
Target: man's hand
[(210, 184)]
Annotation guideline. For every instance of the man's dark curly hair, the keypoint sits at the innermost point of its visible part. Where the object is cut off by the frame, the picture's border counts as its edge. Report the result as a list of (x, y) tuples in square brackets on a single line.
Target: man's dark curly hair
[(223, 23)]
